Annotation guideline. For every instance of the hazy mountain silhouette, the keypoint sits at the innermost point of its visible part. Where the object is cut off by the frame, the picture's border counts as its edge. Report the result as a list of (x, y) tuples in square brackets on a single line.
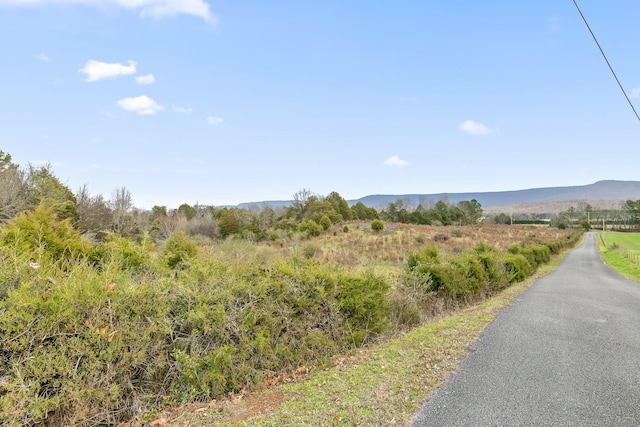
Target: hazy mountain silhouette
[(610, 190)]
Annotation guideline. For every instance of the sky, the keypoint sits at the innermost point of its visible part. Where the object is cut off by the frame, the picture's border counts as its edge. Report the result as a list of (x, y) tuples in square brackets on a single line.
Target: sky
[(224, 102)]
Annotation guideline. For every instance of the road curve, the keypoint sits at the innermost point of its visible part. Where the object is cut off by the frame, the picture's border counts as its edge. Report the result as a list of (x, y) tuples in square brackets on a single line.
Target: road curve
[(566, 352)]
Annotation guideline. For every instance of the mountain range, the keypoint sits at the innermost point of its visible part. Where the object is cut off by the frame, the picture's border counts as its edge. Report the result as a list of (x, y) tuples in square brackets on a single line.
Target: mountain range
[(605, 192)]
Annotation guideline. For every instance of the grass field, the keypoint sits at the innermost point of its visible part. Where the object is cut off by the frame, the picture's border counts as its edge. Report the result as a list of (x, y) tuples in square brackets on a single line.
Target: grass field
[(621, 252), (628, 241)]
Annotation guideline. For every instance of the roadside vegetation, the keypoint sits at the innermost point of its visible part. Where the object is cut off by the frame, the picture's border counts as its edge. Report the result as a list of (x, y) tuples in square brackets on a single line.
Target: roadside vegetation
[(110, 314)]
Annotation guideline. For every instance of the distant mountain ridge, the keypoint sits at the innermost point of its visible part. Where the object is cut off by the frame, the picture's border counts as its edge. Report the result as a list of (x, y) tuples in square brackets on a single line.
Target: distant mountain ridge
[(610, 190)]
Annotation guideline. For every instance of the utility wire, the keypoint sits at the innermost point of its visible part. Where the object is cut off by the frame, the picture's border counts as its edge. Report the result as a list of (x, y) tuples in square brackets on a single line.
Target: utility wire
[(607, 61)]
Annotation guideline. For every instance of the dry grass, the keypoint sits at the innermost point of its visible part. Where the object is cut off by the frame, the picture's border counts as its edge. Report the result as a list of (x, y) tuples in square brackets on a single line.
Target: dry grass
[(361, 249)]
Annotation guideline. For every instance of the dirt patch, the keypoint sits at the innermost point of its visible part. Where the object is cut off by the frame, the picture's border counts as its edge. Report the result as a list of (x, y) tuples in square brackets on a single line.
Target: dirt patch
[(253, 406), (232, 410)]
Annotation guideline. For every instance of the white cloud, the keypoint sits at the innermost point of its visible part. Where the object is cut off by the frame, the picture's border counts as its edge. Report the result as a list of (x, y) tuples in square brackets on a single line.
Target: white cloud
[(96, 70), (182, 109), (214, 121), (635, 92), (396, 161), (145, 80), (475, 128), (154, 8), (40, 56), (141, 105)]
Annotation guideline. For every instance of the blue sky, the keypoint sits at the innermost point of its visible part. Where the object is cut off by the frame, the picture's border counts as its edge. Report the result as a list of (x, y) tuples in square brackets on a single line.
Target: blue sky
[(235, 101)]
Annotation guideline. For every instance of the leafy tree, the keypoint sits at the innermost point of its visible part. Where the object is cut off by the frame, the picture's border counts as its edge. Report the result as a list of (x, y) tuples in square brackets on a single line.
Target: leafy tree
[(340, 205), (362, 212), (441, 213), (633, 209), (472, 210), (44, 187), (396, 212), (420, 216), (188, 211), (228, 223), (502, 218), (317, 208), (14, 191), (588, 211), (158, 212)]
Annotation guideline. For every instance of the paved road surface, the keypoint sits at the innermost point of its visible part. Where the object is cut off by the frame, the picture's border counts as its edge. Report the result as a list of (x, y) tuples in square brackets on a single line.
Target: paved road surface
[(565, 353)]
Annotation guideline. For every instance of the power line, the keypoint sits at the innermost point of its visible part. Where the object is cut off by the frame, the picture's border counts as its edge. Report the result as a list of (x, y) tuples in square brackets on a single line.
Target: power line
[(607, 61)]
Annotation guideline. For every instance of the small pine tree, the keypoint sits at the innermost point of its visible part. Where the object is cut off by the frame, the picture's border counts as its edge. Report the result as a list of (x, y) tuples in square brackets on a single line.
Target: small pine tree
[(325, 222), (377, 225)]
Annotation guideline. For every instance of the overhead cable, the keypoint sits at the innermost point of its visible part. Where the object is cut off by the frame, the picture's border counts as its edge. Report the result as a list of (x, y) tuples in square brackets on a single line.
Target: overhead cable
[(607, 61)]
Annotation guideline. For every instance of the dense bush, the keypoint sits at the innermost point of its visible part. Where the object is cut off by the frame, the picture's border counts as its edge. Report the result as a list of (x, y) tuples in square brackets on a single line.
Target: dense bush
[(39, 234), (177, 250), (120, 253), (98, 344), (481, 270), (377, 225), (78, 349)]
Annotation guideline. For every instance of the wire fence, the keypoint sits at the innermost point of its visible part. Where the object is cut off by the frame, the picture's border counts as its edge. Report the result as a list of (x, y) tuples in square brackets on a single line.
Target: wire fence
[(632, 256)]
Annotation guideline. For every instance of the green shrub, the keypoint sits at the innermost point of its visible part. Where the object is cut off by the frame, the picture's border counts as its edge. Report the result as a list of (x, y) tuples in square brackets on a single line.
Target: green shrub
[(426, 256), (77, 352), (37, 234), (472, 272), (377, 225), (364, 303), (325, 222), (122, 253), (178, 249), (311, 228), (536, 254), (517, 267)]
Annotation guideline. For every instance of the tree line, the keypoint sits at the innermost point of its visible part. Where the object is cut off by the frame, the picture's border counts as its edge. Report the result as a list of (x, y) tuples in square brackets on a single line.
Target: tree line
[(23, 189)]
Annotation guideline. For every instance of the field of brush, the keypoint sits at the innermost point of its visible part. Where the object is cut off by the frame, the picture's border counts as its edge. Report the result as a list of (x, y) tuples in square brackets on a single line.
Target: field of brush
[(102, 333)]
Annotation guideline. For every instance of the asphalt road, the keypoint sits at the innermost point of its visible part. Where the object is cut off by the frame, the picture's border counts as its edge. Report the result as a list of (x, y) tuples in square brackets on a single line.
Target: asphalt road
[(565, 353)]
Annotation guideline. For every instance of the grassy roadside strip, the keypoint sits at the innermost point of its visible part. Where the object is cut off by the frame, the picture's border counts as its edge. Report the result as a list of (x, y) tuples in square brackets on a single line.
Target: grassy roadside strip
[(381, 385), (616, 260)]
